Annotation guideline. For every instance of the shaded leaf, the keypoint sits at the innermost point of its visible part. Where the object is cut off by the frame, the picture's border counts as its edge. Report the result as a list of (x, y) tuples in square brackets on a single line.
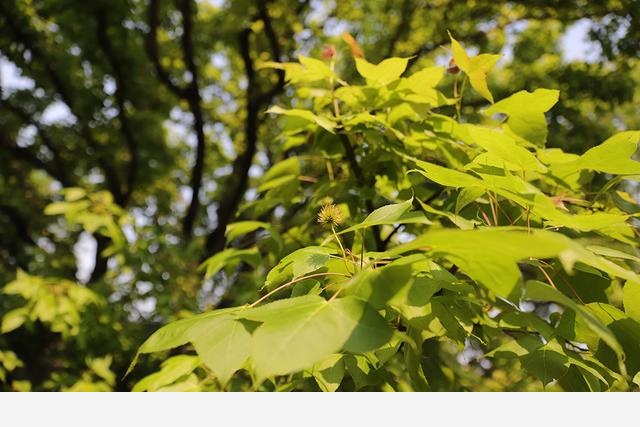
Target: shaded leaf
[(329, 373)]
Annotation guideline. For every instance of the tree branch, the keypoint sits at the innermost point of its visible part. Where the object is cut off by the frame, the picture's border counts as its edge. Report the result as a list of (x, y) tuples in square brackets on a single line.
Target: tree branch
[(125, 124), (276, 54), (19, 223), (360, 180), (151, 45), (255, 101), (240, 175), (192, 95)]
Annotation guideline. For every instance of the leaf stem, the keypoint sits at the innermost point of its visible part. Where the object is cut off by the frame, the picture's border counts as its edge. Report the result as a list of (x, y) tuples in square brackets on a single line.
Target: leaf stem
[(362, 251), (344, 254)]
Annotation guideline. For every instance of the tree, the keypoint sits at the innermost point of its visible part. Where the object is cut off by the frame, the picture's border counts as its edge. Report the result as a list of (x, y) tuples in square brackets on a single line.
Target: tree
[(167, 158)]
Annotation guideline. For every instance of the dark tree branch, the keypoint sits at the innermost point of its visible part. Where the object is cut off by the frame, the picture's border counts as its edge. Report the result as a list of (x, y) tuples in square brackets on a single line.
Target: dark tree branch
[(125, 125), (361, 182), (151, 45), (276, 54), (255, 101), (100, 266), (192, 95), (19, 223), (240, 175), (387, 239)]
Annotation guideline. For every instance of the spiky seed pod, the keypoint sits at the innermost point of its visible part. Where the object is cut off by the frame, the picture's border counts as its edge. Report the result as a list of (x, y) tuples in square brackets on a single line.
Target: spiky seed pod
[(330, 215)]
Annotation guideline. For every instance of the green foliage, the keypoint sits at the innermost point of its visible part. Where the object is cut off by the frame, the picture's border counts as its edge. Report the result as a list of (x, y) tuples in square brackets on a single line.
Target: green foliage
[(55, 302), (506, 220), (456, 226)]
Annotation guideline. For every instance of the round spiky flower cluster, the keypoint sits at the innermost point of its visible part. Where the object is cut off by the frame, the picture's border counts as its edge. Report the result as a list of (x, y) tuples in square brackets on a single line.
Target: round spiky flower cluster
[(330, 215)]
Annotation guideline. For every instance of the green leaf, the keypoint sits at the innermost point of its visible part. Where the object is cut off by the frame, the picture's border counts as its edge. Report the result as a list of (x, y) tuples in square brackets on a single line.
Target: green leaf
[(329, 373), (380, 285), (538, 291), (308, 70), (389, 215), (421, 85), (287, 167), (626, 331), (240, 228), (299, 332), (476, 68), (612, 156), (229, 257), (369, 330), (422, 81), (176, 333), (461, 222), (447, 177), (467, 196), (526, 113), (237, 229), (491, 255), (100, 366), (222, 343), (313, 70), (631, 300), (172, 370), (584, 283), (547, 362), (520, 346), (297, 264), (360, 370), (412, 357), (324, 122), (278, 182), (501, 146), (13, 319), (385, 72)]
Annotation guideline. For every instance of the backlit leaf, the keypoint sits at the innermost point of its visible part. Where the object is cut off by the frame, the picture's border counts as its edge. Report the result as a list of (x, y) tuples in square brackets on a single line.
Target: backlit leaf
[(526, 113), (385, 72), (324, 122), (476, 68), (631, 300)]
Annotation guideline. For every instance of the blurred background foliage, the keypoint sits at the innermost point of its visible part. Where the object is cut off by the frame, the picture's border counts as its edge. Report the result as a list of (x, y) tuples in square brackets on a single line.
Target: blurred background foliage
[(150, 115)]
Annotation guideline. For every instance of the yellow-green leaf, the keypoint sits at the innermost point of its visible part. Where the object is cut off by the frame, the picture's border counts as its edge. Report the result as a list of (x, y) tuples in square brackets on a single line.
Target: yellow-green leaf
[(385, 72), (476, 68)]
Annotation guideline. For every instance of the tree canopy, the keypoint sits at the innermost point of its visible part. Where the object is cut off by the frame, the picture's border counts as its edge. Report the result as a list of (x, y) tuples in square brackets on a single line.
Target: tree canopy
[(318, 195)]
